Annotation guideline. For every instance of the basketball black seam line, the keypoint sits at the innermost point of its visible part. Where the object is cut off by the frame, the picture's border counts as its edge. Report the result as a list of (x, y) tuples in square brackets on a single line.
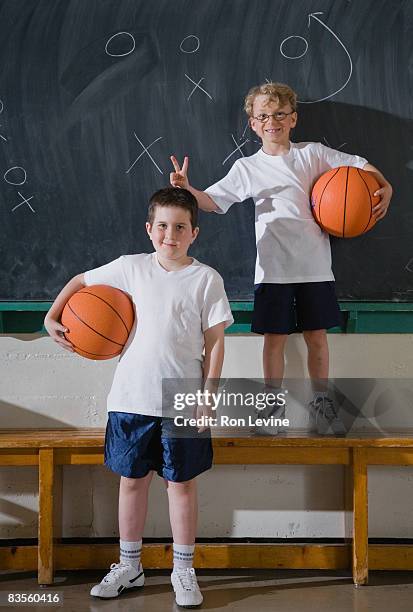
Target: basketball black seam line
[(96, 354), (91, 328), (345, 202), (110, 306), (322, 193), (371, 203)]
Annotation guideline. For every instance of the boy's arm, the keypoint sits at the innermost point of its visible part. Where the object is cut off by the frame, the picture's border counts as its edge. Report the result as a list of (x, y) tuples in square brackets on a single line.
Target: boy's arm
[(179, 178), (214, 353), (385, 192), (52, 319), (214, 358)]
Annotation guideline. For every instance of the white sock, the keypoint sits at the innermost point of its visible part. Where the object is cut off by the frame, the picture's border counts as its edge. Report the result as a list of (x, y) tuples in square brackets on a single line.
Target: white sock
[(183, 555), (130, 552)]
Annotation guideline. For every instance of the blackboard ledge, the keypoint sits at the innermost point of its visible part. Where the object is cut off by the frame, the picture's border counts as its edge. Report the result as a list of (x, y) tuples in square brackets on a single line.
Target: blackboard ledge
[(358, 317)]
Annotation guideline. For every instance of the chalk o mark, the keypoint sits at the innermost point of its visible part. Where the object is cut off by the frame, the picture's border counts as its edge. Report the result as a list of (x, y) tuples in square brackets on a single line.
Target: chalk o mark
[(197, 43), (10, 182), (293, 57), (120, 54)]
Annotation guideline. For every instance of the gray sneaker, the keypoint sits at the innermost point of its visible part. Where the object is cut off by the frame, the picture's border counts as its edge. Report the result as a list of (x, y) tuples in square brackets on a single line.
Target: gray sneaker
[(324, 418), (122, 576), (270, 413)]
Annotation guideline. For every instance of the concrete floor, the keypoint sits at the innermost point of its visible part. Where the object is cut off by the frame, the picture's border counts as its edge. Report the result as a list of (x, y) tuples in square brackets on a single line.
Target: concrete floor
[(242, 590)]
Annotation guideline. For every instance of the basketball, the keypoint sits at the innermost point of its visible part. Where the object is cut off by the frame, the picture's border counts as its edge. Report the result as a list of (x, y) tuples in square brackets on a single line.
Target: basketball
[(99, 319), (342, 201)]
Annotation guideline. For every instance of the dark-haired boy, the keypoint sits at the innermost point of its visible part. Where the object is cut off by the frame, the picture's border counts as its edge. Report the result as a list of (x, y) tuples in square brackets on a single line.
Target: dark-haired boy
[(182, 310)]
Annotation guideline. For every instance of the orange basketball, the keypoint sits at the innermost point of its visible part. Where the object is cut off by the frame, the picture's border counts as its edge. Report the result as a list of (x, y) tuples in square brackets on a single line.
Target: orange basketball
[(99, 319), (342, 201)]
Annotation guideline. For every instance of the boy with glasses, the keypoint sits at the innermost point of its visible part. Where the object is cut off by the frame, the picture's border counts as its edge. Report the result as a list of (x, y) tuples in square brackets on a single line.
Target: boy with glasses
[(294, 282)]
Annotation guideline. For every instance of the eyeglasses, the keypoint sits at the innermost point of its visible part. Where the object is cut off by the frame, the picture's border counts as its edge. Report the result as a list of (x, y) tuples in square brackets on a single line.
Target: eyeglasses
[(277, 116)]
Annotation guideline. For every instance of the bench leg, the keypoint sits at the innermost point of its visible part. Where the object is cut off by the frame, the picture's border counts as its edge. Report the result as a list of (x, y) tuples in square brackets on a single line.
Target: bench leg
[(348, 504), (360, 518), (45, 532)]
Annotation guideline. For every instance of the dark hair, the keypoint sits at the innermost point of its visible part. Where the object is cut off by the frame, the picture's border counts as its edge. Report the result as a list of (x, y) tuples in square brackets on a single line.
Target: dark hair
[(174, 196)]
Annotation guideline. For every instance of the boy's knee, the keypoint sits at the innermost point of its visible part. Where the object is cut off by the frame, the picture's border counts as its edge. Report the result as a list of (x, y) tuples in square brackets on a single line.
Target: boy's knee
[(133, 484), (275, 341), (182, 488), (315, 338)]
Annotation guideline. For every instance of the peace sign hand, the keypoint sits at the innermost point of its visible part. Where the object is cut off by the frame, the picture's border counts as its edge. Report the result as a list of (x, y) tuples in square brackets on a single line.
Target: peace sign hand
[(179, 177)]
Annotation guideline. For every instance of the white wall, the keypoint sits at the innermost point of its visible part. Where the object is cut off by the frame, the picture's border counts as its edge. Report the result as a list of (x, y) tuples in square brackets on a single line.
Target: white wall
[(43, 386)]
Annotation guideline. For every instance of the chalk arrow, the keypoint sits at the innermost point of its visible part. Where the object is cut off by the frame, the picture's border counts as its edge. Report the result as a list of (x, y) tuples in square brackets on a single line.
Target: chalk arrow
[(314, 16)]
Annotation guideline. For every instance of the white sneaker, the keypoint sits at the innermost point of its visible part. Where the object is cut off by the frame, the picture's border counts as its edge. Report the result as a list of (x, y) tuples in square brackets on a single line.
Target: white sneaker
[(187, 593), (324, 417), (122, 576)]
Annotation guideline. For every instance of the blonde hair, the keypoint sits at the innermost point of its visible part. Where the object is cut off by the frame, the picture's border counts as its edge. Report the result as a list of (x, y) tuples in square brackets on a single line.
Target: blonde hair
[(277, 92)]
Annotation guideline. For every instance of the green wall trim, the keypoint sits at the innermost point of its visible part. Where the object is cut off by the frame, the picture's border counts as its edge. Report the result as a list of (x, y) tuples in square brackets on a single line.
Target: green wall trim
[(358, 317)]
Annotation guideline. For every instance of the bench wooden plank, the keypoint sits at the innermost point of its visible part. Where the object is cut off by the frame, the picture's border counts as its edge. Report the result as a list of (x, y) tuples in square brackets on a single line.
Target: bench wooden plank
[(390, 456), (213, 556), (281, 455), (89, 437), (391, 557), (18, 456)]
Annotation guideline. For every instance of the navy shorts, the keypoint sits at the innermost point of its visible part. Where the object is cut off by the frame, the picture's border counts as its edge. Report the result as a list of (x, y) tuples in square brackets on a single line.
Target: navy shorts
[(135, 444), (294, 307)]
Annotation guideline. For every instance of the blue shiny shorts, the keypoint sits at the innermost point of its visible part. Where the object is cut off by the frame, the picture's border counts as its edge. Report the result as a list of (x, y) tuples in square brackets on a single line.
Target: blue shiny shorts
[(135, 444)]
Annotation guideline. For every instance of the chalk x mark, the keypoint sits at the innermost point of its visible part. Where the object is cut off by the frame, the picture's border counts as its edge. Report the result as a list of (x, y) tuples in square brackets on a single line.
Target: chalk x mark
[(237, 148), (25, 201), (409, 265), (245, 129), (329, 145), (197, 86), (145, 150)]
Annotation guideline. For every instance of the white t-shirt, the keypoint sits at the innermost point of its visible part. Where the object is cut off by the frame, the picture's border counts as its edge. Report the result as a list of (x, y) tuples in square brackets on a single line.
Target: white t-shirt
[(291, 247), (173, 310)]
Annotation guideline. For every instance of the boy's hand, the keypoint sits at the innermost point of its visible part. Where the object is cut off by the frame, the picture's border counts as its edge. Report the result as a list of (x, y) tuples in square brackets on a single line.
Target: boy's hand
[(204, 409), (380, 210), (179, 177), (56, 331)]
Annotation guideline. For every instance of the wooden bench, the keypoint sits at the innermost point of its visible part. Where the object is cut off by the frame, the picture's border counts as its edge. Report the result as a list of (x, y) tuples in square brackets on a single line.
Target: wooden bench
[(51, 449)]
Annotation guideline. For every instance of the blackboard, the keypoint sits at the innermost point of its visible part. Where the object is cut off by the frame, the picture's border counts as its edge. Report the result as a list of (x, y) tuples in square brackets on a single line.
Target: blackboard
[(95, 96)]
